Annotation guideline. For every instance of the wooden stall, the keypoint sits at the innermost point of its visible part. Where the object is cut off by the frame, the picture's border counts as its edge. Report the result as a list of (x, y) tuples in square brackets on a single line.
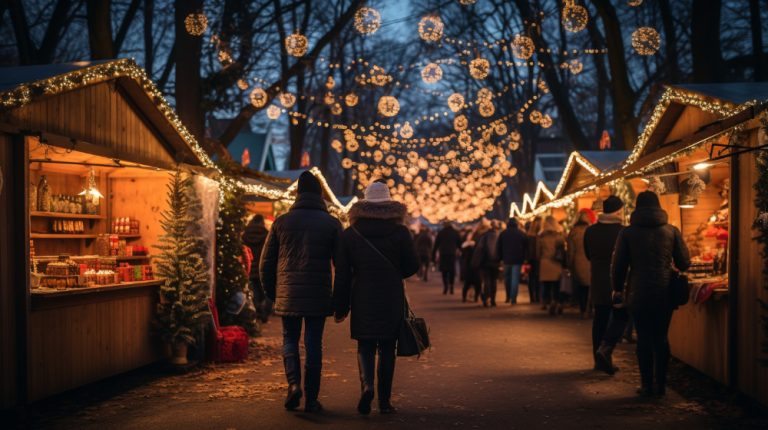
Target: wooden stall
[(88, 149)]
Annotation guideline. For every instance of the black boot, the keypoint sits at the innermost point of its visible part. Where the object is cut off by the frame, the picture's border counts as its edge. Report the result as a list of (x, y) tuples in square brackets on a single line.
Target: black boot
[(292, 366), (645, 361), (365, 364), (386, 374), (662, 363), (604, 359), (312, 388)]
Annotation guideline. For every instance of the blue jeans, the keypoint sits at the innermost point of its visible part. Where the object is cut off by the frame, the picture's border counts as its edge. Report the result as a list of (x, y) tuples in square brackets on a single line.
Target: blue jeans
[(313, 344), (512, 280)]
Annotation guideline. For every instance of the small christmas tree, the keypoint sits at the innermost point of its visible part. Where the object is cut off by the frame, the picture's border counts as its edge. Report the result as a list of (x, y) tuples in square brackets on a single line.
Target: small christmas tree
[(232, 289), (183, 309)]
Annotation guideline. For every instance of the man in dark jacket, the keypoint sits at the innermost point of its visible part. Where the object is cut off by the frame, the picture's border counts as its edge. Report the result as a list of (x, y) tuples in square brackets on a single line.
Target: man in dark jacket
[(599, 241), (484, 259), (423, 242), (254, 236), (511, 247), (296, 274), (643, 258), (447, 244)]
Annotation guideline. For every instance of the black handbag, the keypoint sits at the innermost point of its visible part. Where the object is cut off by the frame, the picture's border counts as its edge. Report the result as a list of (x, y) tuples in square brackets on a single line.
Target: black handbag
[(679, 291), (413, 337)]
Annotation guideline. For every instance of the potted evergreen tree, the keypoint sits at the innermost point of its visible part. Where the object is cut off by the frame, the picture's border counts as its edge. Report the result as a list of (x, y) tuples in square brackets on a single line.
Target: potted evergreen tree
[(183, 310)]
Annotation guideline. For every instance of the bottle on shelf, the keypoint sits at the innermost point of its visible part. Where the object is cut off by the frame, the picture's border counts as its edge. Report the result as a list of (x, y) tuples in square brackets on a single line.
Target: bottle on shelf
[(43, 194)]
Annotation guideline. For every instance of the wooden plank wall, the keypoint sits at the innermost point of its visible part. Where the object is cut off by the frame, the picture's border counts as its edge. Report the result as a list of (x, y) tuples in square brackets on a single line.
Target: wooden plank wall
[(97, 114), (8, 292), (143, 199), (752, 376)]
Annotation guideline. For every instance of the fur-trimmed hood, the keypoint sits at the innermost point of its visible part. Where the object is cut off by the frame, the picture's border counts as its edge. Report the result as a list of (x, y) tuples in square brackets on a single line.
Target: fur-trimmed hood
[(390, 210)]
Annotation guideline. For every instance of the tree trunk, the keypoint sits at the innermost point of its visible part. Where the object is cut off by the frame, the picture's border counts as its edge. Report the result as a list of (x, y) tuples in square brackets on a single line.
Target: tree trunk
[(298, 131), (670, 41), (705, 41), (624, 97), (149, 46), (100, 29), (188, 89), (757, 40)]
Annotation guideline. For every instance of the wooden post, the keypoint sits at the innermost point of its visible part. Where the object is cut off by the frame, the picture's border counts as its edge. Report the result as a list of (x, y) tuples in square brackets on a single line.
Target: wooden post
[(733, 275)]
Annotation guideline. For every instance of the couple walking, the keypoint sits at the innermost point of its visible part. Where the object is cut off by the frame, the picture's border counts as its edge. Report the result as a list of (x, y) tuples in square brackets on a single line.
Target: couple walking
[(371, 258)]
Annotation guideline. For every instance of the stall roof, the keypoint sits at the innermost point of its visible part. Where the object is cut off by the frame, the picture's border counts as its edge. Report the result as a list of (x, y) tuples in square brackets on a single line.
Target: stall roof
[(12, 77), (736, 93)]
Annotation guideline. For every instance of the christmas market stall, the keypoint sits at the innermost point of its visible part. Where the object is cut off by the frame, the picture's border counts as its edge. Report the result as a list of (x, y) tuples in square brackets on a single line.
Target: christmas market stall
[(88, 150)]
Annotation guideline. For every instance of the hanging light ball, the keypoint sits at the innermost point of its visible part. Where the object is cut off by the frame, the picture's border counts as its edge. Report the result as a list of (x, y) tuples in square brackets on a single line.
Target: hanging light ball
[(336, 145), (575, 66), (464, 139), (535, 116), (242, 84), (336, 109), (460, 123), (367, 20), (486, 109), (634, 3), (646, 40), (329, 99), (196, 23), (273, 112), (484, 95), (388, 106), (431, 28), (546, 121), (296, 44), (455, 102), (287, 100), (500, 128), (574, 17), (330, 82), (390, 159), (406, 131), (351, 99), (346, 163), (431, 73), (479, 68), (352, 145), (523, 47), (258, 97)]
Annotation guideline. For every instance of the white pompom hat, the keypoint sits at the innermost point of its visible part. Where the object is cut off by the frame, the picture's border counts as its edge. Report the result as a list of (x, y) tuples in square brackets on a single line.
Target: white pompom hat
[(377, 192)]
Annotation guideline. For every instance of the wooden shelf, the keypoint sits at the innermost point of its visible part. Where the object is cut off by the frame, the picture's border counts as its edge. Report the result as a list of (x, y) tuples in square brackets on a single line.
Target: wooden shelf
[(61, 236), (134, 257), (129, 236), (38, 214)]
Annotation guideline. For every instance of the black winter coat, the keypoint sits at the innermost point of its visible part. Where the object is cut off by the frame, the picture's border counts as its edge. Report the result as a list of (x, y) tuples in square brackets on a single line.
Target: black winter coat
[(296, 263), (367, 284), (423, 243), (512, 245), (599, 242), (643, 258), (447, 243), (484, 256), (254, 237)]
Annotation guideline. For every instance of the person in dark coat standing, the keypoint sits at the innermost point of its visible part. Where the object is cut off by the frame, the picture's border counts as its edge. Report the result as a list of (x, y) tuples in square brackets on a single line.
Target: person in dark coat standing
[(643, 260), (377, 255), (471, 275), (534, 287), (424, 250), (447, 244), (599, 242), (296, 274), (254, 237), (511, 247), (485, 261)]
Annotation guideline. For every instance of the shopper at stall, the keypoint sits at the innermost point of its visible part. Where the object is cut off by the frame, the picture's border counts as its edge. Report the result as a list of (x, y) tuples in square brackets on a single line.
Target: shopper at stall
[(296, 274), (599, 242), (578, 263), (485, 261), (423, 242), (447, 244), (643, 260), (550, 252), (377, 254), (254, 236), (511, 248)]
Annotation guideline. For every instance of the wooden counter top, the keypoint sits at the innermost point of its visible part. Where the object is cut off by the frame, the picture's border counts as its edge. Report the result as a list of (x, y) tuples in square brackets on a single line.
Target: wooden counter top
[(46, 297)]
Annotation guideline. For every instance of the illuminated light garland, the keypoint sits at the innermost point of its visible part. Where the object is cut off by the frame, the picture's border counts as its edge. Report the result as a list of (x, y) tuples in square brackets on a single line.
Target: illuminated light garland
[(367, 20), (574, 17), (431, 28), (646, 40), (296, 44), (196, 23)]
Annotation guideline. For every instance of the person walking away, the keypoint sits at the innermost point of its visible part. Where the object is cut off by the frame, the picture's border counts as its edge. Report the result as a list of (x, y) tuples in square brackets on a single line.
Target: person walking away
[(296, 274), (578, 263), (254, 237), (447, 244), (550, 251), (484, 260), (424, 250), (599, 242), (377, 255), (471, 275), (511, 248), (643, 259), (534, 288)]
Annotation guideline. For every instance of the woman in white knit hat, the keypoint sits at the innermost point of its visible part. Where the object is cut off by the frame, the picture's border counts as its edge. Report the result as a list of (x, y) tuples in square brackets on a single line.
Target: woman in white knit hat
[(378, 253)]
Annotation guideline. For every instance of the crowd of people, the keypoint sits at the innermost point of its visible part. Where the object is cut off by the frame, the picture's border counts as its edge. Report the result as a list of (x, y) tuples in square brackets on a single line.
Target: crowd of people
[(312, 268)]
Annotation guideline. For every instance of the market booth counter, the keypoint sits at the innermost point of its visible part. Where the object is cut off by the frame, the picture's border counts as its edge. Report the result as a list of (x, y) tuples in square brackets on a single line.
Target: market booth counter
[(88, 149)]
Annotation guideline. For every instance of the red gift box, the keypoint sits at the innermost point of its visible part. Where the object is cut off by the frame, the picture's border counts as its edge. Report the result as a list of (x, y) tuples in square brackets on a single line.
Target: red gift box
[(227, 344)]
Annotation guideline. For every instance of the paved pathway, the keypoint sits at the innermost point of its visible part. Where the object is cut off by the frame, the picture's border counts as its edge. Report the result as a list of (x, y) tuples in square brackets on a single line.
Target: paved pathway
[(511, 367)]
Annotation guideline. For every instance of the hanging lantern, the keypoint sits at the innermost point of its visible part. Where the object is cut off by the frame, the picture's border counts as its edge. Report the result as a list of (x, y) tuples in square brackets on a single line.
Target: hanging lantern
[(273, 112), (431, 73), (242, 84), (330, 82), (646, 40), (479, 68), (351, 99), (535, 116), (287, 100), (258, 97), (486, 109), (460, 123), (90, 191), (523, 47), (196, 23), (574, 17), (296, 44), (690, 190), (406, 131), (455, 102), (367, 20), (388, 106), (431, 28)]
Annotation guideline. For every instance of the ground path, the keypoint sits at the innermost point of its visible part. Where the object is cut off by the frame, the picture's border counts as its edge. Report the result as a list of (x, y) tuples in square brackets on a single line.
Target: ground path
[(511, 367)]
